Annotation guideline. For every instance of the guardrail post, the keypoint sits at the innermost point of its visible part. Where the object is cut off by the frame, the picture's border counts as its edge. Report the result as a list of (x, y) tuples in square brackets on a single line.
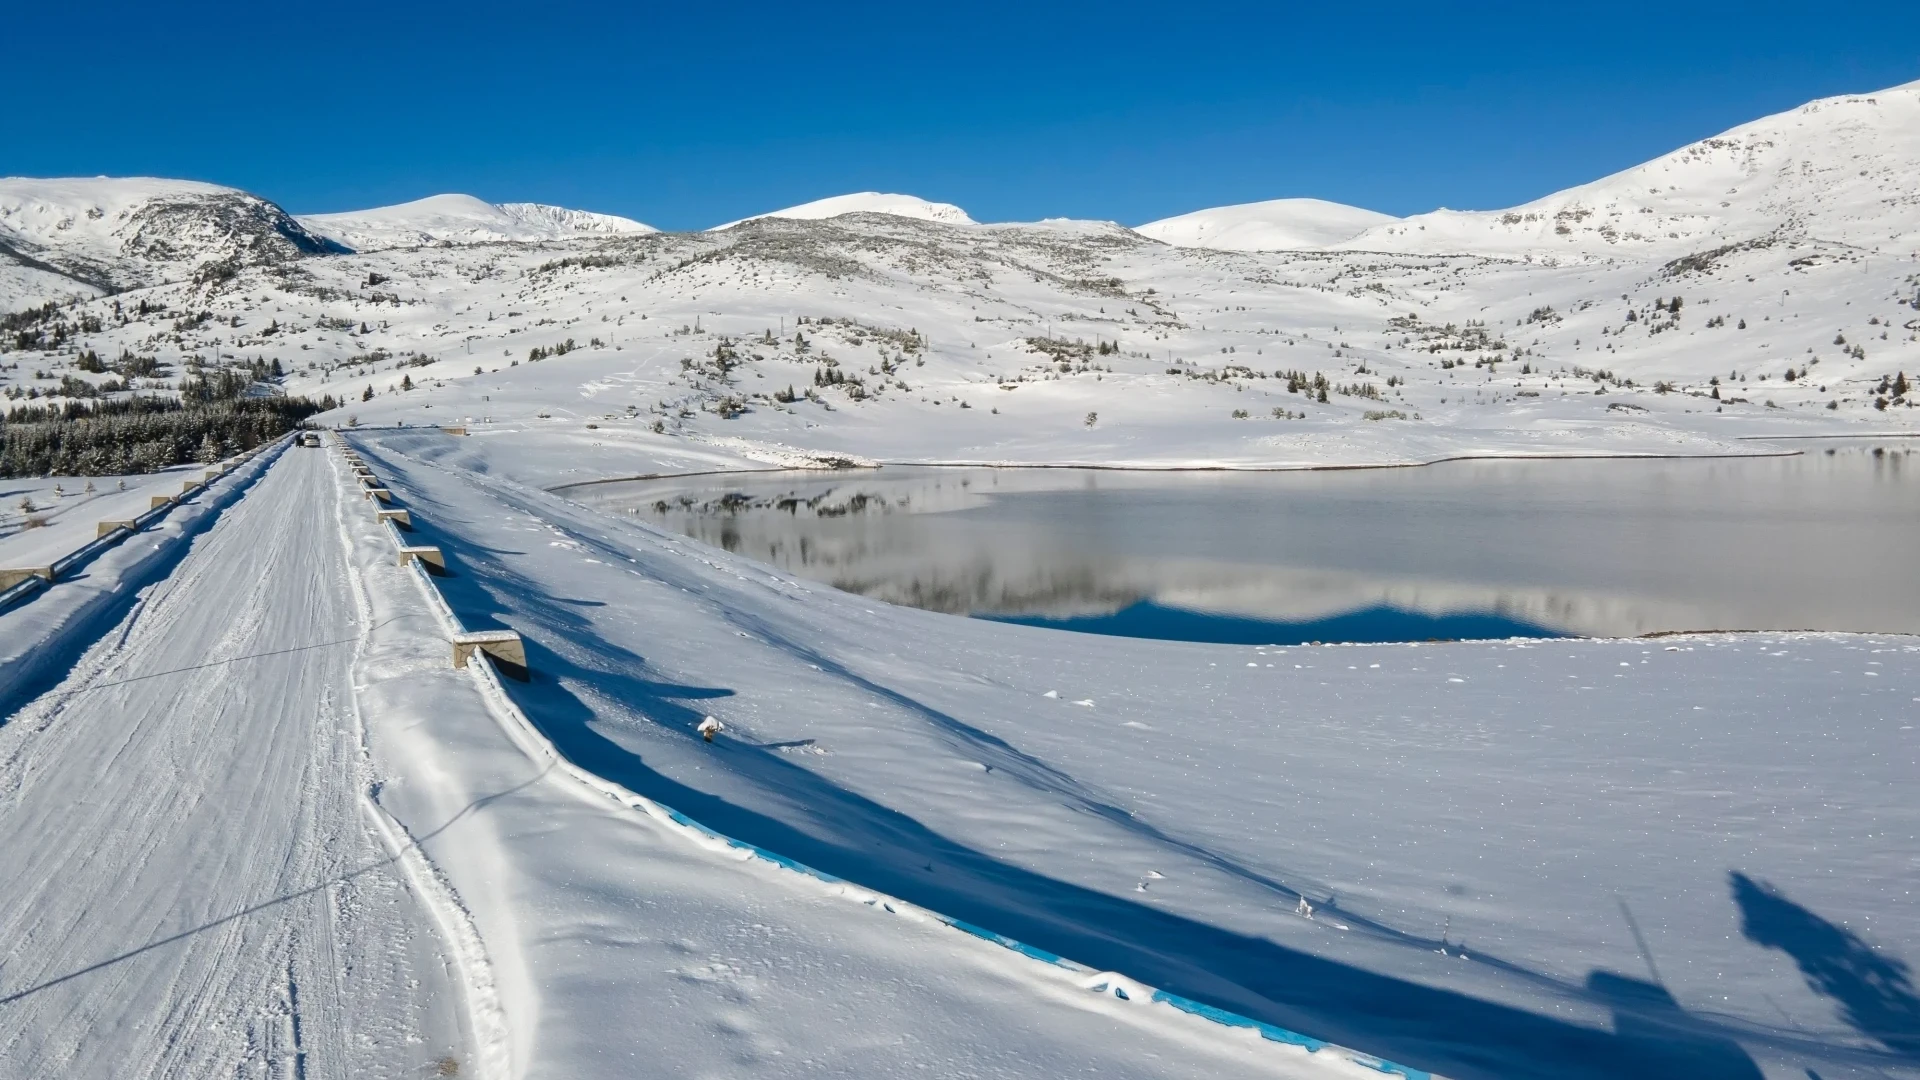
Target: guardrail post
[(401, 517), (106, 527), (429, 556), (503, 647), (16, 575)]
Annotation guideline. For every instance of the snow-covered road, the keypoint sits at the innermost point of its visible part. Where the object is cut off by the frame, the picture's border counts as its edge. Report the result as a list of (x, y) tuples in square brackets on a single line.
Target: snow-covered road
[(192, 886)]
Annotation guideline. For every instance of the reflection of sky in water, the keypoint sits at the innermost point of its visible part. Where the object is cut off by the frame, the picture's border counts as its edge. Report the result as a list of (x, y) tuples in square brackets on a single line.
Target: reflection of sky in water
[(1818, 541)]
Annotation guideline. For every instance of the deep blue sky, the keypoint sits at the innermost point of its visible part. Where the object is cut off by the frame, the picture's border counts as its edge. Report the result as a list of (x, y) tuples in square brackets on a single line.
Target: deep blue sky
[(688, 114)]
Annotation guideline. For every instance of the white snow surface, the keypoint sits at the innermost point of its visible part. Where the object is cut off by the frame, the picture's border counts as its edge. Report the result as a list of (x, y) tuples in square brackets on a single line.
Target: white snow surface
[(1463, 820), (865, 202), (463, 219), (261, 827), (84, 210), (66, 515), (589, 910), (193, 885), (76, 237), (1272, 225)]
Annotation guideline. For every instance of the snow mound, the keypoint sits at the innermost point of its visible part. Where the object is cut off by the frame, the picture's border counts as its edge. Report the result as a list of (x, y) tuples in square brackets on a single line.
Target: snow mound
[(1273, 225), (462, 219), (866, 202), (117, 232), (1838, 169)]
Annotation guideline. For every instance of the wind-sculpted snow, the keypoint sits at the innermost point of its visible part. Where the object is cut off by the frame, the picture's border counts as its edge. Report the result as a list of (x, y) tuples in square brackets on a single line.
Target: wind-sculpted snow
[(1422, 851), (588, 908)]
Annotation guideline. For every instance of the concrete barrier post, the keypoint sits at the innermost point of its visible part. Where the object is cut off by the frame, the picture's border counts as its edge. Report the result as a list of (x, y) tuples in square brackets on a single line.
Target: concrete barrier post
[(380, 493), (402, 518), (429, 556), (16, 575), (106, 527), (155, 502), (503, 647)]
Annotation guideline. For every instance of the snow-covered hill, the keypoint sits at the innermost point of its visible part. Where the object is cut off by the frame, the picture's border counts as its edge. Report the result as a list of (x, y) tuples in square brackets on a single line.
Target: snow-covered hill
[(1274, 225), (1840, 170), (106, 233), (463, 219), (896, 336), (866, 202)]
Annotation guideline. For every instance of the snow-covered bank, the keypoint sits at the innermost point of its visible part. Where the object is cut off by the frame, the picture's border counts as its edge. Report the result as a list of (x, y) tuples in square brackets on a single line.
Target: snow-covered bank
[(96, 585), (585, 912), (65, 510), (1475, 813)]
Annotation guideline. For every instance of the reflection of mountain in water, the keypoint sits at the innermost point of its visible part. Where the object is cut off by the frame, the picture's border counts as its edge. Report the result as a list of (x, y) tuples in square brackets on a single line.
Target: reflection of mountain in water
[(1380, 624), (944, 564), (1577, 547)]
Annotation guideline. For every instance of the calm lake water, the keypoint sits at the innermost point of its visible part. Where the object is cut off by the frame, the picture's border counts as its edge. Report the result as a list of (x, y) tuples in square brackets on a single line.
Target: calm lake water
[(1824, 540)]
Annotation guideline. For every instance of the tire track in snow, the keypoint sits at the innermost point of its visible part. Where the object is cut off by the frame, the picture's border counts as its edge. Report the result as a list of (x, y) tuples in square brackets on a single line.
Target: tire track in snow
[(191, 880)]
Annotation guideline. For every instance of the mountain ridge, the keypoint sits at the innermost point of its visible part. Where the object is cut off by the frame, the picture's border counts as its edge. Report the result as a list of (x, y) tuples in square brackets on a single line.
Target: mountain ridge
[(863, 202), (1269, 225), (448, 219), (102, 234)]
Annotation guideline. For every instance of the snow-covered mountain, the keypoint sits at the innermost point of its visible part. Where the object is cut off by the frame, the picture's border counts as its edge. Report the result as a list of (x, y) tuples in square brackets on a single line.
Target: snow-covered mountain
[(1273, 225), (930, 339), (866, 202), (439, 220), (83, 235), (1840, 169)]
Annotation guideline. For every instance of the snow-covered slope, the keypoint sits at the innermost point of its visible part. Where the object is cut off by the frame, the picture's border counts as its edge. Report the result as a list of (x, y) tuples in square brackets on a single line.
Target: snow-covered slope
[(117, 232), (1839, 169), (873, 335), (1273, 225), (463, 219), (1419, 850), (866, 202)]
